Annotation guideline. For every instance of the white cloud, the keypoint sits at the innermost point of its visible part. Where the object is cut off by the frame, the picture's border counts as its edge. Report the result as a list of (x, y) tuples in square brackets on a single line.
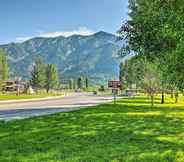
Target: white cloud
[(22, 39), (80, 31)]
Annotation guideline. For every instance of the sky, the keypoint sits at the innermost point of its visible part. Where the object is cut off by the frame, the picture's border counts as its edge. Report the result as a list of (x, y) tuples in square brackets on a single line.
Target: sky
[(24, 19)]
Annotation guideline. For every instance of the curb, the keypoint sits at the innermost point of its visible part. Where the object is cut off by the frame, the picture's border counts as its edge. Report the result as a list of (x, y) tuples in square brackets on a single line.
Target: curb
[(34, 99)]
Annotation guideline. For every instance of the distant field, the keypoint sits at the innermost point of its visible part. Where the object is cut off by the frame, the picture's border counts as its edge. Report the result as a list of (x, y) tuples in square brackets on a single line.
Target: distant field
[(23, 96), (130, 131)]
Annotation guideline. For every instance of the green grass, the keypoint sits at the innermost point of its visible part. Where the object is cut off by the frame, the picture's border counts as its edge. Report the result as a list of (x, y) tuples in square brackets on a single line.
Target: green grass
[(4, 97), (130, 131)]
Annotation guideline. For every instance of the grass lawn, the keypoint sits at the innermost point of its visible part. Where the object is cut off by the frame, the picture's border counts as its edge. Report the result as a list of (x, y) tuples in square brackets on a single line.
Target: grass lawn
[(24, 96), (130, 131)]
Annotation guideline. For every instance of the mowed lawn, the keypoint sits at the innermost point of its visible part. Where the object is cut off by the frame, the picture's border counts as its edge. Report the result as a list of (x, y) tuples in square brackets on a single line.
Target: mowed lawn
[(130, 131)]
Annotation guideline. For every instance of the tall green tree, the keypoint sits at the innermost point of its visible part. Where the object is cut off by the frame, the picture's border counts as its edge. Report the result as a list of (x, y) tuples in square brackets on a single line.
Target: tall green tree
[(86, 82), (74, 84), (71, 84), (3, 66), (80, 83), (150, 29), (151, 80), (142, 73), (38, 76), (51, 77), (155, 30), (126, 74), (131, 71)]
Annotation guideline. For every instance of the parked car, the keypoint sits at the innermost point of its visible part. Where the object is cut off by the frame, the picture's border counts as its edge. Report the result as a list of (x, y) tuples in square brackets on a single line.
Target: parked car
[(129, 93)]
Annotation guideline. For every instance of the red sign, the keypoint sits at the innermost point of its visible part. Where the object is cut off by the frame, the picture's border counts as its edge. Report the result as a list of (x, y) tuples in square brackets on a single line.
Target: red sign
[(115, 84)]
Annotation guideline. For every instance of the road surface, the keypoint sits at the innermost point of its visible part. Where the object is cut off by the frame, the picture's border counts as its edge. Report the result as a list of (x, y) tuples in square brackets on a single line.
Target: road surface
[(20, 109)]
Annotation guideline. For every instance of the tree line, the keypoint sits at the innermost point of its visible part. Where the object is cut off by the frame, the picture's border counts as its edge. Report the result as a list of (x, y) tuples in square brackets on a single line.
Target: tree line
[(44, 75), (80, 83), (154, 35)]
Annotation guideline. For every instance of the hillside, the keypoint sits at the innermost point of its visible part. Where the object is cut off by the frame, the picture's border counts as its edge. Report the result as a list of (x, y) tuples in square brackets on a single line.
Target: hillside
[(94, 56)]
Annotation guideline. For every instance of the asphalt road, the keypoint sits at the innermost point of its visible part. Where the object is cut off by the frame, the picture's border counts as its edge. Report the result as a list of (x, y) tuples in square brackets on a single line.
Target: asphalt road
[(20, 109)]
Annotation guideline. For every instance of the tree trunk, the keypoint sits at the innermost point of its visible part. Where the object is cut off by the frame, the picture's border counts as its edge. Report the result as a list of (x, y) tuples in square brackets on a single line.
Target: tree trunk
[(36, 90), (176, 97), (152, 100), (172, 93), (163, 98), (47, 90)]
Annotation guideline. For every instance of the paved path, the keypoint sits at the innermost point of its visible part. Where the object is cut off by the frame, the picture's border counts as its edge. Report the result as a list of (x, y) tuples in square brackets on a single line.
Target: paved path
[(28, 108)]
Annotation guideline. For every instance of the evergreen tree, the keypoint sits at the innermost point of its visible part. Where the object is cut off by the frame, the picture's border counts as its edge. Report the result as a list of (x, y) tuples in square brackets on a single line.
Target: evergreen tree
[(80, 83), (51, 77), (71, 84), (38, 77), (74, 84), (86, 82), (3, 66)]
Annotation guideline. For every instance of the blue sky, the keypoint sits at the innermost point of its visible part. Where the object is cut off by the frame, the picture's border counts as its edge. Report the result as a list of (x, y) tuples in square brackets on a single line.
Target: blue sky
[(24, 19)]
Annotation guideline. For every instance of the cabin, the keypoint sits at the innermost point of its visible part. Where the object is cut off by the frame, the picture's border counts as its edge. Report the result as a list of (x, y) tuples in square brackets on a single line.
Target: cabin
[(14, 85)]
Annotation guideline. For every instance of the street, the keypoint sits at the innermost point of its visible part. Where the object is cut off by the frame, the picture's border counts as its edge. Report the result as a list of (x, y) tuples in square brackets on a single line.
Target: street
[(28, 108)]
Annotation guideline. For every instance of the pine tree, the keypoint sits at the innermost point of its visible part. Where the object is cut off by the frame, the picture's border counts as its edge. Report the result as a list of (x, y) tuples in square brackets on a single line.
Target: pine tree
[(3, 67), (74, 84), (71, 84), (51, 77), (80, 83), (86, 82), (38, 74)]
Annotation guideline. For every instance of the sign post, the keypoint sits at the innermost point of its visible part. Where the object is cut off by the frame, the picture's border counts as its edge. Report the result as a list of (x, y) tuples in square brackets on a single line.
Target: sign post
[(114, 94), (115, 85)]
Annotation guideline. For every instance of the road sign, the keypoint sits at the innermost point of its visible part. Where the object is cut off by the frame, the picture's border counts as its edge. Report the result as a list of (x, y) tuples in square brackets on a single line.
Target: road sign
[(114, 84)]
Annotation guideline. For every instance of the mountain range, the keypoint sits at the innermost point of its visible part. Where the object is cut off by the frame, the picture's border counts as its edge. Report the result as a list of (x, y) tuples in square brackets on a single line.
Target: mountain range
[(93, 56)]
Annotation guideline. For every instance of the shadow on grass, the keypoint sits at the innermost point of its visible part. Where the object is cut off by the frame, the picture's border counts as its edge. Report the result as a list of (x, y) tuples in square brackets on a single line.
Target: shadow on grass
[(123, 132), (143, 100)]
